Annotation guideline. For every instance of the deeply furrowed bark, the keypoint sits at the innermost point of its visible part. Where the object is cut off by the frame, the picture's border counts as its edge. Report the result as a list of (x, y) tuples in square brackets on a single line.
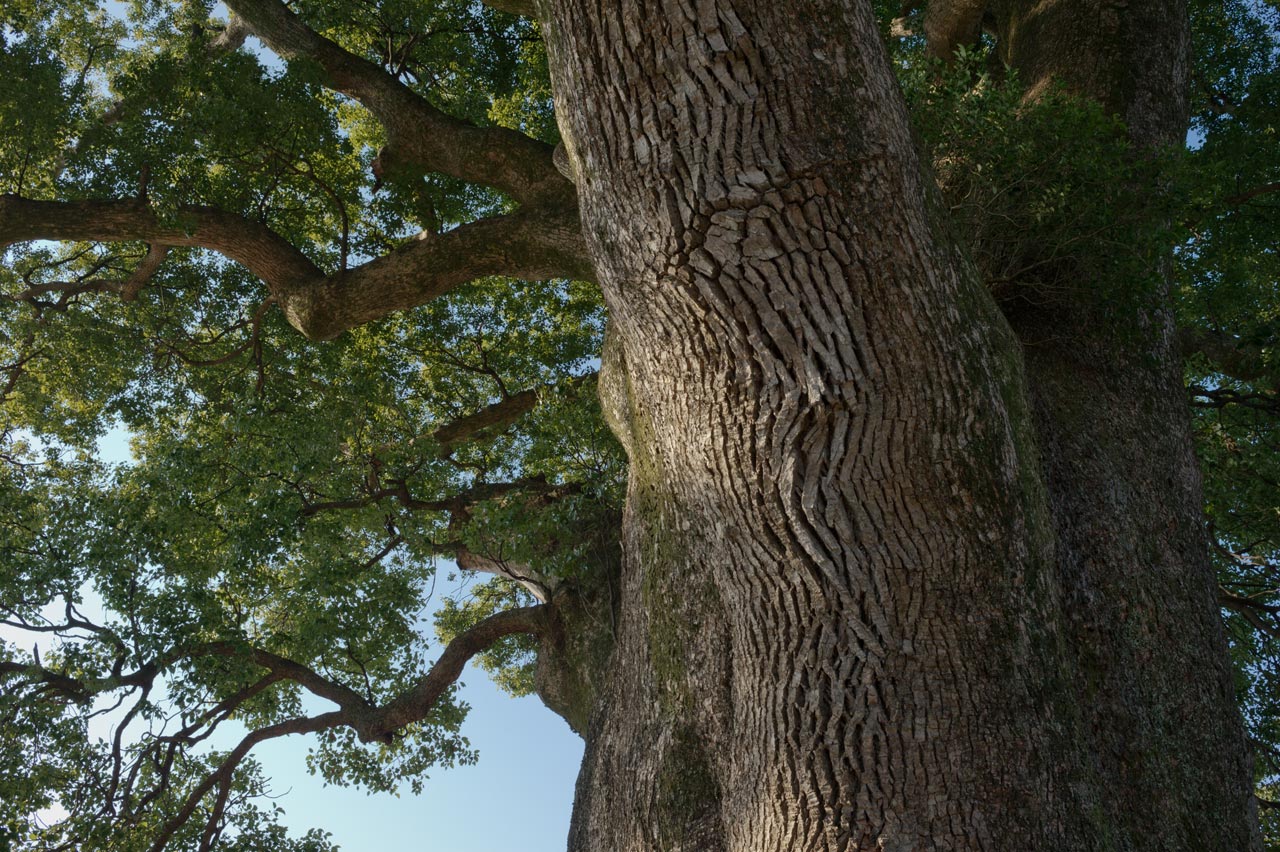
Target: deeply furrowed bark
[(838, 621), (876, 593)]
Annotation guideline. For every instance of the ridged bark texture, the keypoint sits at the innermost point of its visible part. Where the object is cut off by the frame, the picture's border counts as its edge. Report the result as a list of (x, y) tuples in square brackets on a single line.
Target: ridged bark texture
[(850, 599), (837, 619)]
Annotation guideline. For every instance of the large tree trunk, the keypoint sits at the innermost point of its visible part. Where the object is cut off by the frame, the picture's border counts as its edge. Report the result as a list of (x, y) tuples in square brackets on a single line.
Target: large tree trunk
[(842, 618)]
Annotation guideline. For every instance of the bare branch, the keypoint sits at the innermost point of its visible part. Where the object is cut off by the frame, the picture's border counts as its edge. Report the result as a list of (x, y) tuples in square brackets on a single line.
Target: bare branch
[(540, 586), (226, 770), (419, 135)]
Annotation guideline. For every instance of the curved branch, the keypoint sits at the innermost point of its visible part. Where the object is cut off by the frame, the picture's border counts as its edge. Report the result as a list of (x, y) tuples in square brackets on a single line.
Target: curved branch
[(262, 251), (414, 704), (418, 134), (223, 774), (532, 244), (371, 724)]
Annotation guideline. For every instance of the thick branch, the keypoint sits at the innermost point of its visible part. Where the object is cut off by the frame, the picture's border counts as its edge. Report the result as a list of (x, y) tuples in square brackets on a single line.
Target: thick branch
[(541, 587), (413, 705), (533, 244), (951, 24), (492, 418), (1231, 356), (255, 246), (418, 133), (497, 416)]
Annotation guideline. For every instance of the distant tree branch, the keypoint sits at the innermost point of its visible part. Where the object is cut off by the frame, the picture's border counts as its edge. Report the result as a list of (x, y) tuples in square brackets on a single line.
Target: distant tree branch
[(1249, 195), (418, 134), (460, 503), (371, 724), (1203, 397), (1251, 611)]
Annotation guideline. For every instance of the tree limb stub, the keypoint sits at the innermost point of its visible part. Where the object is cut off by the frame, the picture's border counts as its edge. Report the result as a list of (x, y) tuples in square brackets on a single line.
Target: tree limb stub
[(417, 132)]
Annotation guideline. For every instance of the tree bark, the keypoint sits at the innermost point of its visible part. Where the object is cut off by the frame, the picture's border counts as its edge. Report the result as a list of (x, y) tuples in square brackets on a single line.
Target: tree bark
[(1112, 423), (839, 624), (846, 602)]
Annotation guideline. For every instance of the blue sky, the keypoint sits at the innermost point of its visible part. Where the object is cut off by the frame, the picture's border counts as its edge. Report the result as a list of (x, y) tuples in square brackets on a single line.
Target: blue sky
[(518, 796)]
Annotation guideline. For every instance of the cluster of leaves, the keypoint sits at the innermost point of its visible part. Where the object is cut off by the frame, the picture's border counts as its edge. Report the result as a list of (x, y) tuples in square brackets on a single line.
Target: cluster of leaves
[(1229, 304), (1047, 195)]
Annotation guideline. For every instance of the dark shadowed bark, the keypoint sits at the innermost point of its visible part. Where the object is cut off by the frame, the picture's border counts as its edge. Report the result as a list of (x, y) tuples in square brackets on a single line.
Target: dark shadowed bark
[(1105, 375)]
